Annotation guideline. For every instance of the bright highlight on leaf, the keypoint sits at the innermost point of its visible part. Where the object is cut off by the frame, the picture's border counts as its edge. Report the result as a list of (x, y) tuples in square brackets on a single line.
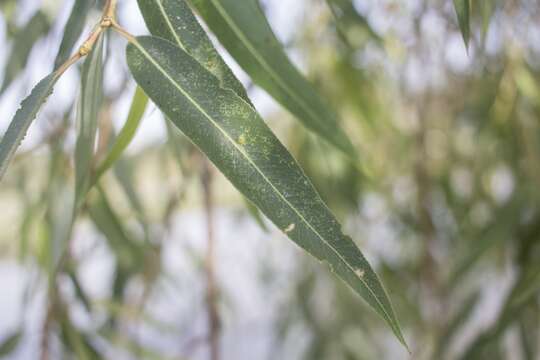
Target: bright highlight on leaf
[(260, 167)]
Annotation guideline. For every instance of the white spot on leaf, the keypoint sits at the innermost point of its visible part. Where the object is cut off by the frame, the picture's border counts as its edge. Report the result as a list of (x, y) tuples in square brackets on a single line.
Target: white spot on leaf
[(289, 228)]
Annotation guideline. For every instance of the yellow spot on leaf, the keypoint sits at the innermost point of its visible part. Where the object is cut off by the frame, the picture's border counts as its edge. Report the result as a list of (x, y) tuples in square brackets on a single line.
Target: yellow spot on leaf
[(359, 273), (289, 228), (242, 139)]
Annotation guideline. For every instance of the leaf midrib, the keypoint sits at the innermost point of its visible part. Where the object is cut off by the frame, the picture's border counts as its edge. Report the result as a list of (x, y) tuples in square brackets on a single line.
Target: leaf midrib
[(169, 23), (261, 59), (252, 163)]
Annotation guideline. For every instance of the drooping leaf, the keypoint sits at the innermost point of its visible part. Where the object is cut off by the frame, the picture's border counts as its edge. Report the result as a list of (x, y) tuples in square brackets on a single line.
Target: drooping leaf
[(23, 118), (173, 20), (455, 324), (487, 9), (126, 135), (108, 222), (87, 119), (463, 11), (9, 344), (244, 31), (73, 30), (241, 145), (347, 17), (22, 46)]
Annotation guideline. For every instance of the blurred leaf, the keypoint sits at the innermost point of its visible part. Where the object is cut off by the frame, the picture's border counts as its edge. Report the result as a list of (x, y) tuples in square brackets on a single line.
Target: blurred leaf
[(87, 119), (347, 17), (73, 30), (23, 118), (506, 219), (240, 144), (173, 20), (126, 135), (76, 341), (79, 292), (243, 29), (456, 324), (123, 171), (126, 249), (10, 344), (463, 10), (487, 9), (23, 43)]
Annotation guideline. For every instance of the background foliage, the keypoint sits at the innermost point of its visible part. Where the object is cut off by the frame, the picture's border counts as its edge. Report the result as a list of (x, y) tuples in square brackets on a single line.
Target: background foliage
[(443, 198)]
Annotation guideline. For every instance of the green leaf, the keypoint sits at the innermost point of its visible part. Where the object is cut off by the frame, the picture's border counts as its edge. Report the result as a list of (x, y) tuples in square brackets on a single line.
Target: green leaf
[(463, 11), (10, 344), (244, 31), (87, 119), (241, 145), (22, 46), (73, 30), (22, 120), (173, 20), (487, 9), (126, 135)]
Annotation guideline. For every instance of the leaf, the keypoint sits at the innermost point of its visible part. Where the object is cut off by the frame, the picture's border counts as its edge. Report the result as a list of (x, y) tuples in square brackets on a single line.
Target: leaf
[(506, 220), (244, 31), (22, 46), (242, 146), (487, 9), (173, 20), (128, 254), (73, 30), (455, 324), (10, 344), (463, 10), (87, 118), (126, 135), (23, 118), (347, 18)]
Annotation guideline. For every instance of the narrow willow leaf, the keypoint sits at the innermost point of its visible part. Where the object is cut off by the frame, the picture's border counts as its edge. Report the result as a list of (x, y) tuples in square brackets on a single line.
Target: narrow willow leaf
[(22, 46), (507, 219), (22, 120), (126, 135), (10, 344), (109, 223), (87, 118), (173, 20), (463, 10), (79, 292), (487, 9), (348, 17), (243, 29), (73, 30), (242, 146), (456, 324)]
